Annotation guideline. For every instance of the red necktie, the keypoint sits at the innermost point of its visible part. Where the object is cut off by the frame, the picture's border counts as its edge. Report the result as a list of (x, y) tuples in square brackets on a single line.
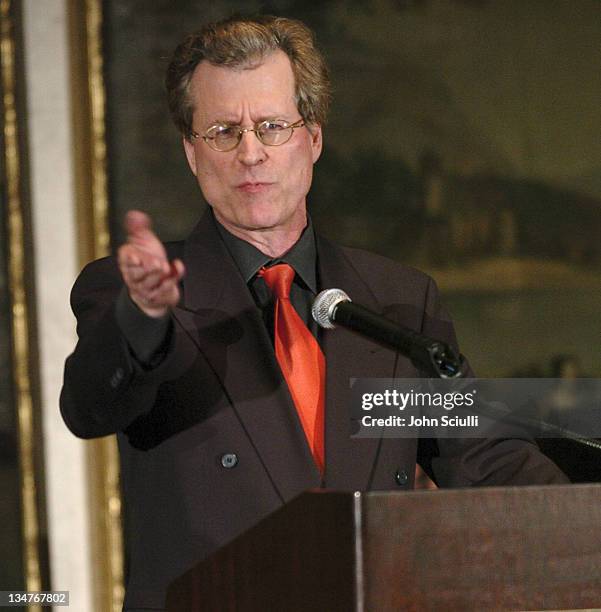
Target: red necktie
[(300, 358)]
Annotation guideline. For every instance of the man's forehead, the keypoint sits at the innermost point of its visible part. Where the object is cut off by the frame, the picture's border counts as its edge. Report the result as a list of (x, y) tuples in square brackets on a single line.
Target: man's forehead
[(251, 63), (266, 83), (206, 71), (276, 60)]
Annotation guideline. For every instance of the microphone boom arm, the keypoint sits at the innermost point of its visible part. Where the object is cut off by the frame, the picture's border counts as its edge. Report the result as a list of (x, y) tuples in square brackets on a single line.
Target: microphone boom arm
[(433, 357)]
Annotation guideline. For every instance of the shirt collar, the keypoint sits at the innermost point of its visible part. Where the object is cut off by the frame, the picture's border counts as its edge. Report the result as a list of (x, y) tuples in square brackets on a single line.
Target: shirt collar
[(302, 256)]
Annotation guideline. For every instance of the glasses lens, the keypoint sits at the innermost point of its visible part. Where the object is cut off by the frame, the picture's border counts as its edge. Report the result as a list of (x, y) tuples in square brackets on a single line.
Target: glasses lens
[(223, 137), (274, 132)]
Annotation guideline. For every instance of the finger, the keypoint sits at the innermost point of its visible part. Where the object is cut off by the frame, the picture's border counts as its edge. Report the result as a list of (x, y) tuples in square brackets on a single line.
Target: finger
[(134, 275), (150, 263), (151, 281), (138, 265), (130, 267), (171, 269), (166, 294), (147, 282), (177, 269), (128, 256), (131, 255)]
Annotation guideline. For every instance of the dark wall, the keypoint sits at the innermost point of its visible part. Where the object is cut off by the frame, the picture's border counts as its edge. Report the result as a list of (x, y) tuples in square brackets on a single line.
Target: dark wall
[(463, 139)]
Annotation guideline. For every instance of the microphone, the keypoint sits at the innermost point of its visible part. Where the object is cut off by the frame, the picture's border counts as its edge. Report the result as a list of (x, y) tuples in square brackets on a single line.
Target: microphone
[(435, 358)]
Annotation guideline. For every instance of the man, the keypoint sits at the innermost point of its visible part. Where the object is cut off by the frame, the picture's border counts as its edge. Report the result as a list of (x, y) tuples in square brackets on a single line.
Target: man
[(183, 348)]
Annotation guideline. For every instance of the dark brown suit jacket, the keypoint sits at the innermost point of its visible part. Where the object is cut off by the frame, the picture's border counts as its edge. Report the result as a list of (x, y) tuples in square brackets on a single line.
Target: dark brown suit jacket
[(210, 442)]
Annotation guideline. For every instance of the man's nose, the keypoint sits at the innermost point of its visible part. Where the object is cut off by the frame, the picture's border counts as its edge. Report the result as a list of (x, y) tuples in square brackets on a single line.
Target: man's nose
[(251, 151)]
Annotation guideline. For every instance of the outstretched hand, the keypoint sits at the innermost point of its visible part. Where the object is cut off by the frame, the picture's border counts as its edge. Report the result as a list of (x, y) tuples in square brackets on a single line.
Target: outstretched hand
[(151, 280)]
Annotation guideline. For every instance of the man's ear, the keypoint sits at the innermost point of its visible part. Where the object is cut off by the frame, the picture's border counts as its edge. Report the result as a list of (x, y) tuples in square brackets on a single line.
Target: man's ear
[(190, 154), (316, 140)]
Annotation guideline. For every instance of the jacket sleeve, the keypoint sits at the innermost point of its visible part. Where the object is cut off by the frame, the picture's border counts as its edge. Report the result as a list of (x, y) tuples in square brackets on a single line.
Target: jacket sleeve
[(105, 388), (510, 459)]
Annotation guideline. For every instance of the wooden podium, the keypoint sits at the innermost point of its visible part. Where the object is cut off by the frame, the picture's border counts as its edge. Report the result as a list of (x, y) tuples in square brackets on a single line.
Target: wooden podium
[(516, 548)]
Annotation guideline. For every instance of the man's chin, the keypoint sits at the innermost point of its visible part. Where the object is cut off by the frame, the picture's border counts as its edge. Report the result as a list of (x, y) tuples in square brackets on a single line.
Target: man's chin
[(258, 220)]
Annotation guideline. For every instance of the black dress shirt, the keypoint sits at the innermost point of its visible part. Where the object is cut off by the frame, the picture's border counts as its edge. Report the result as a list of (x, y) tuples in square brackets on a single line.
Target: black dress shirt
[(302, 256)]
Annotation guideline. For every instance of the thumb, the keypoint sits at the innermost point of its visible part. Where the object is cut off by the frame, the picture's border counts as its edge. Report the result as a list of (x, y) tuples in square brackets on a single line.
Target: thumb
[(137, 223), (139, 232)]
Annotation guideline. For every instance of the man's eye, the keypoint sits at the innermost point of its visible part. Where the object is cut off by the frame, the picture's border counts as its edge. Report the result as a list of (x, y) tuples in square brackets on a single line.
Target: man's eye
[(274, 126), (226, 131)]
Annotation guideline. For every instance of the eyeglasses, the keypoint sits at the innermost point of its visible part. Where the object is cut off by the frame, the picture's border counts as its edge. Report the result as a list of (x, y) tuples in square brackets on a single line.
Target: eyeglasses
[(273, 132)]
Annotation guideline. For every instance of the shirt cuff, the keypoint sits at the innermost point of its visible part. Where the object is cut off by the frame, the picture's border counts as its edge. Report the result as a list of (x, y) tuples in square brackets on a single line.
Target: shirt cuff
[(145, 335)]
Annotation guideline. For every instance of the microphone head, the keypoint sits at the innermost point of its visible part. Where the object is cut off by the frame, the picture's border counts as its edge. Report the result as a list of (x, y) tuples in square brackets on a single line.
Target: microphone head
[(325, 304)]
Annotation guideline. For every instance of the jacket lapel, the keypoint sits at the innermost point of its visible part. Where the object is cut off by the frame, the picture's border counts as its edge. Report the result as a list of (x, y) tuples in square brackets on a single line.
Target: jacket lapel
[(218, 311), (348, 355)]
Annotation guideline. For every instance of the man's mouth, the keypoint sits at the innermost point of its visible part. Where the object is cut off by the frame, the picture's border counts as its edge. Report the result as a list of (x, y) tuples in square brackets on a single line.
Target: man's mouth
[(253, 186)]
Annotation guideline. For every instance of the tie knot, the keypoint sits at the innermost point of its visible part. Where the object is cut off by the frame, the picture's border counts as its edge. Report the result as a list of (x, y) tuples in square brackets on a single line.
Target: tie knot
[(279, 279)]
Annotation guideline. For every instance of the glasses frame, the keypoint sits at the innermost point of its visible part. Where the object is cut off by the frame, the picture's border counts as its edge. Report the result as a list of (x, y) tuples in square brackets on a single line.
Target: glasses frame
[(241, 131)]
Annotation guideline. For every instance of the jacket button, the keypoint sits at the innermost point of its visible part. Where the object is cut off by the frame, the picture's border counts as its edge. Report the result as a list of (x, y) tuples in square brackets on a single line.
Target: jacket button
[(401, 477), (229, 460), (117, 377)]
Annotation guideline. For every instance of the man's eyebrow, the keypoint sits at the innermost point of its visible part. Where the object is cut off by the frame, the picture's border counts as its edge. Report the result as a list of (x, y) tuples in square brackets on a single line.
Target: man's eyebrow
[(222, 121), (273, 116), (260, 119)]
